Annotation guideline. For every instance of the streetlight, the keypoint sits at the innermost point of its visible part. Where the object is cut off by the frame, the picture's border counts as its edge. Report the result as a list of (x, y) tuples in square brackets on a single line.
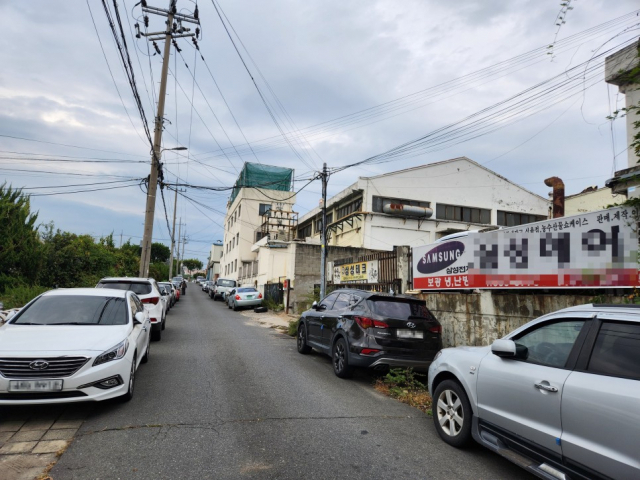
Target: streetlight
[(175, 209)]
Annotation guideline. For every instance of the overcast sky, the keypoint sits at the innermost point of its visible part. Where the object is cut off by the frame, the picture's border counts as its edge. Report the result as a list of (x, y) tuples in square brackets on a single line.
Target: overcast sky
[(324, 60)]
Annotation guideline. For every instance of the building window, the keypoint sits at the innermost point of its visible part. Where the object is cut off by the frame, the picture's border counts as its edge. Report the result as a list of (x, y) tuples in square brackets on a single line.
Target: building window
[(239, 207), (511, 219), (305, 231), (349, 208), (319, 222), (463, 214), (264, 208), (259, 236), (238, 239), (235, 265), (379, 202)]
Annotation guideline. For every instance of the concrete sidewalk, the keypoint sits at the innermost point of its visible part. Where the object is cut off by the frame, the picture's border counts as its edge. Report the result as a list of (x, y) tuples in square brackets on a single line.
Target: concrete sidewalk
[(33, 437)]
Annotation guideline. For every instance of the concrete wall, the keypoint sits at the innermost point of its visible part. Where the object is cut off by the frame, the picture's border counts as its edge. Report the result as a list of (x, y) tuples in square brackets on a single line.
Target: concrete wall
[(480, 318), (307, 270)]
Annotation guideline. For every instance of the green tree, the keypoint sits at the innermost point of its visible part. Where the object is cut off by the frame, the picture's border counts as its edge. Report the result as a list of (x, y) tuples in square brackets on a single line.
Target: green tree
[(192, 263), (160, 253), (19, 244)]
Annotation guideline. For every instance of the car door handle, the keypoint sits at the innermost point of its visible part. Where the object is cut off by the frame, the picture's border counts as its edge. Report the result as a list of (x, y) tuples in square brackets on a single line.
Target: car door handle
[(548, 388), (144, 329)]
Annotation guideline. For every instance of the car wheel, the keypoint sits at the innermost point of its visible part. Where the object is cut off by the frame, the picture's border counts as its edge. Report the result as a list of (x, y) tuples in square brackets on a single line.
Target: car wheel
[(156, 335), (164, 321), (132, 381), (145, 359), (302, 340), (340, 358), (452, 414), (235, 307)]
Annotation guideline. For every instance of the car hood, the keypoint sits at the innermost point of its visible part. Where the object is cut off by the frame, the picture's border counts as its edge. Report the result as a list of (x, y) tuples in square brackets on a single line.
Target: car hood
[(62, 338)]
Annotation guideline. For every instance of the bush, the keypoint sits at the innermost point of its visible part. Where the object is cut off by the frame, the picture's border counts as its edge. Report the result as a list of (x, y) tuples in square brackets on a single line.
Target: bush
[(19, 296), (271, 305), (293, 328)]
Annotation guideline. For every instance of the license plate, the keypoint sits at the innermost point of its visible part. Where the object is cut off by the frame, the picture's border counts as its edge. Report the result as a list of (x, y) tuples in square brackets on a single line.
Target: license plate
[(409, 334), (35, 385), (249, 297)]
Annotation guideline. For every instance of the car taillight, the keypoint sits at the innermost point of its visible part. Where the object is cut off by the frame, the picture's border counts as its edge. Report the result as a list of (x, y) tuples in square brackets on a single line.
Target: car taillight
[(153, 300), (259, 295), (437, 329), (238, 297), (366, 322), (368, 351), (153, 320)]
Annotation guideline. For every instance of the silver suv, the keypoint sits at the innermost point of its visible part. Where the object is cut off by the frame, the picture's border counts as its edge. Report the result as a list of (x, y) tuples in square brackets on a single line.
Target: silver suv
[(558, 396)]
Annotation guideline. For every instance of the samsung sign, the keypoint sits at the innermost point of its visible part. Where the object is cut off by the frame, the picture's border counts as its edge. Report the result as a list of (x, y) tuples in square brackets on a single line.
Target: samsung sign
[(440, 257), (596, 249)]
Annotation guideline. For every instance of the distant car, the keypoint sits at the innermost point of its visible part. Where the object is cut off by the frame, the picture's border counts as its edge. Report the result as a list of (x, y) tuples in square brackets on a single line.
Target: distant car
[(558, 396), (200, 280), (243, 297), (149, 293), (74, 345), (170, 290), (222, 286), (368, 329)]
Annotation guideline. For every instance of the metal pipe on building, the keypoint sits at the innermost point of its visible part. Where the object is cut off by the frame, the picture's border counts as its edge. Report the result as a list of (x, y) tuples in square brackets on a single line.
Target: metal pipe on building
[(558, 195), (407, 210)]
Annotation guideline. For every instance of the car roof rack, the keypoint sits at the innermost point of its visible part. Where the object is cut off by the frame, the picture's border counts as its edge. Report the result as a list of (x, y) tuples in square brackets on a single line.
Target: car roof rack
[(612, 305)]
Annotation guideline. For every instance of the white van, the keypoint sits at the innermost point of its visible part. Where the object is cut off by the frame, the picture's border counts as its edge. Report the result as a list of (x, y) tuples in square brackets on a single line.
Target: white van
[(221, 287)]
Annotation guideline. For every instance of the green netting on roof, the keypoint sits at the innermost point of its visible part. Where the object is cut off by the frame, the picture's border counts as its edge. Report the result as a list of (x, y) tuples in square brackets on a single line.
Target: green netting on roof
[(254, 175)]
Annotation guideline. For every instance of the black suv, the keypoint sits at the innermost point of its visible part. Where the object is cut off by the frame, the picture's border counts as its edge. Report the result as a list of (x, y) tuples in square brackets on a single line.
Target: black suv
[(368, 329)]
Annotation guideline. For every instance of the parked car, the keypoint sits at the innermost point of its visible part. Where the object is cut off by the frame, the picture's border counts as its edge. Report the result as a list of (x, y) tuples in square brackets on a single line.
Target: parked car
[(73, 345), (149, 293), (170, 293), (243, 297), (368, 329), (222, 286), (206, 285), (558, 396)]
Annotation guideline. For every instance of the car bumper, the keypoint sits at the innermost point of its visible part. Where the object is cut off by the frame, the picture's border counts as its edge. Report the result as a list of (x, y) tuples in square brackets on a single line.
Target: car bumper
[(249, 303), (71, 392)]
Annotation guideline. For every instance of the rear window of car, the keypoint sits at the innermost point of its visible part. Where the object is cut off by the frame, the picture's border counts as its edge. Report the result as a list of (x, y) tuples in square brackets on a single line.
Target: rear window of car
[(226, 283), (72, 309), (139, 288), (247, 289), (402, 310)]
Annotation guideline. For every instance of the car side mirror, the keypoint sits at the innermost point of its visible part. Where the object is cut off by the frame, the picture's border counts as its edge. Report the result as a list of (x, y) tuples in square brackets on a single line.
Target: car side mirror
[(138, 317), (509, 349), (314, 305)]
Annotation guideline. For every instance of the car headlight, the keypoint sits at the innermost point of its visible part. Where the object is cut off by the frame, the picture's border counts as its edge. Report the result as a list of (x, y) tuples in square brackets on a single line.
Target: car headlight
[(114, 353)]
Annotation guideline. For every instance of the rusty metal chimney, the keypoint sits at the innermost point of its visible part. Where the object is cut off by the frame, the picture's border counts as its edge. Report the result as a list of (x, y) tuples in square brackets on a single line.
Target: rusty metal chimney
[(558, 195)]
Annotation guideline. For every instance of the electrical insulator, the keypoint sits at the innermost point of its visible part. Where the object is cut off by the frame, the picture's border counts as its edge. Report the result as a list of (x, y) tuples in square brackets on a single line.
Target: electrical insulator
[(175, 26), (146, 21), (198, 32), (195, 12)]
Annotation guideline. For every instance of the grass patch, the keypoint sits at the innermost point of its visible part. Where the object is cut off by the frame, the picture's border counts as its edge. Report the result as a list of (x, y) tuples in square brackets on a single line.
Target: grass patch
[(18, 297), (406, 386), (271, 305)]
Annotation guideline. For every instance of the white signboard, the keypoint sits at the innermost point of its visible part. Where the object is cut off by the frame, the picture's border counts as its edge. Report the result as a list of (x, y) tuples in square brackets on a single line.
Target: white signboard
[(598, 249)]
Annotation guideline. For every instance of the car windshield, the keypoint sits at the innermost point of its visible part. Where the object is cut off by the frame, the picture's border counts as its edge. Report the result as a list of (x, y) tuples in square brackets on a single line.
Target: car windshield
[(74, 310), (401, 310), (139, 288), (247, 289), (226, 283)]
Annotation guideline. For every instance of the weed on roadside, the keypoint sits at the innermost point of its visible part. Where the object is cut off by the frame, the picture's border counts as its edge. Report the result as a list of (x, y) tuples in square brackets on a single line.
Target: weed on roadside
[(406, 386), (293, 327)]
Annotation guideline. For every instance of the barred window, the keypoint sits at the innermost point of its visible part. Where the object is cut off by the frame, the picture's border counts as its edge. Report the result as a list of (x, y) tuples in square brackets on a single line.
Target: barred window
[(349, 208), (512, 219), (304, 232), (463, 214)]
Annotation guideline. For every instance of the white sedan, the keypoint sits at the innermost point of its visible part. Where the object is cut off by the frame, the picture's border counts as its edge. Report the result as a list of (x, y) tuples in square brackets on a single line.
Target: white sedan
[(73, 345)]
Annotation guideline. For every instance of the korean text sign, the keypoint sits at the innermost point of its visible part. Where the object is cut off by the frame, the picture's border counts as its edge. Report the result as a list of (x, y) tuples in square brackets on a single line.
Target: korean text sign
[(598, 249)]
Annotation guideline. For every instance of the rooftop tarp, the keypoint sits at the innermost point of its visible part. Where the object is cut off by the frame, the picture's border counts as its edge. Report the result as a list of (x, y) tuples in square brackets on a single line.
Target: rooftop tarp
[(254, 175)]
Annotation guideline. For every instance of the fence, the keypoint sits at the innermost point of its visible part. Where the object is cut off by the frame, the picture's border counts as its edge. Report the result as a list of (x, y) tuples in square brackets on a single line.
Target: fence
[(274, 292), (387, 273)]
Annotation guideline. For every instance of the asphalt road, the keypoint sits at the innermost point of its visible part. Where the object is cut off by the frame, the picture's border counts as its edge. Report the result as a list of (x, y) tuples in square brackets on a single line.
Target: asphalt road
[(223, 397)]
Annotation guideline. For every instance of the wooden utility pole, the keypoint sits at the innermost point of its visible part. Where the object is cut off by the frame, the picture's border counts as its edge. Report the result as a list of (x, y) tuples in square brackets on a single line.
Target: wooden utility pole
[(323, 235), (171, 32)]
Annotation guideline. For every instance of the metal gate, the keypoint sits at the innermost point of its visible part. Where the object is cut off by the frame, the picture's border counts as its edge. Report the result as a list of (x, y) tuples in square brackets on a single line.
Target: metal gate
[(274, 292)]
